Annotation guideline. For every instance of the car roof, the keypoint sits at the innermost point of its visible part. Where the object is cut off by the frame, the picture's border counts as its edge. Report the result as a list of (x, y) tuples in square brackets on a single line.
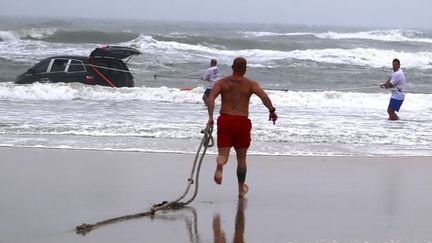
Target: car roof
[(105, 52), (68, 57), (82, 58)]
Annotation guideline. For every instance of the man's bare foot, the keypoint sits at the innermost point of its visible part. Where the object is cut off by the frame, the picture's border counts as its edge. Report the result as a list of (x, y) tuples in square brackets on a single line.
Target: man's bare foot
[(218, 174), (243, 190)]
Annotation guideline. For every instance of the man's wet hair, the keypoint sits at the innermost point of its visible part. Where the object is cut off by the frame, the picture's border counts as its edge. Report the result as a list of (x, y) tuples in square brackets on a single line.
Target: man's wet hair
[(396, 60), (239, 64), (213, 62)]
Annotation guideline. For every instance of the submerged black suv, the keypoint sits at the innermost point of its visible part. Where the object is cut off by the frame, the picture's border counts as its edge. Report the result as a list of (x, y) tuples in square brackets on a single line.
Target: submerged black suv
[(104, 66)]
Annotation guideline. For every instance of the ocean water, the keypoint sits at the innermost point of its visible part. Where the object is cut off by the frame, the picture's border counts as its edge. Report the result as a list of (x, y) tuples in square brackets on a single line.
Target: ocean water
[(323, 80)]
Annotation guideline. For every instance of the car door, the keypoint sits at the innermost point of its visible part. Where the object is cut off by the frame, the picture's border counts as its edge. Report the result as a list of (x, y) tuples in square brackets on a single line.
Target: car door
[(57, 70), (38, 73), (75, 71)]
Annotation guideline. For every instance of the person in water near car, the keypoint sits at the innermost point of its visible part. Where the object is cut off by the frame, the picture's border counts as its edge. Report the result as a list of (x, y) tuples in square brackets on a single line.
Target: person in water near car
[(396, 82), (211, 75)]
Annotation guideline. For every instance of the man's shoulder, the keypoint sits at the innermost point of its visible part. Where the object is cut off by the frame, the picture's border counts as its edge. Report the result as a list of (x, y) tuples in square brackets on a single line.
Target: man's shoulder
[(399, 73), (237, 79), (397, 76), (251, 82)]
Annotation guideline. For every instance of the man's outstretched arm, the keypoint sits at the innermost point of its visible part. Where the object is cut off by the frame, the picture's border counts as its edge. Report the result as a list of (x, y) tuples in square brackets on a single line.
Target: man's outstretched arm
[(256, 89)]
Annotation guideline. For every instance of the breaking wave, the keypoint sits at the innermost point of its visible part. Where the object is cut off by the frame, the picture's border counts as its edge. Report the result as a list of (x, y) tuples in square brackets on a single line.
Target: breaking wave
[(61, 36), (67, 36), (395, 35), (369, 57), (28, 33), (56, 42), (77, 91)]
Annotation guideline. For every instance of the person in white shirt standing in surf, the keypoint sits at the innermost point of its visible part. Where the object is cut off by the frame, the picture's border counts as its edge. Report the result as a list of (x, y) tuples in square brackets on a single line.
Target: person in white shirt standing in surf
[(396, 82), (211, 75)]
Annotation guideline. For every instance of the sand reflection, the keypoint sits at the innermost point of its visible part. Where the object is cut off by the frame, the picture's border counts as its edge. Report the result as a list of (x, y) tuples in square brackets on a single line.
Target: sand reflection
[(219, 234)]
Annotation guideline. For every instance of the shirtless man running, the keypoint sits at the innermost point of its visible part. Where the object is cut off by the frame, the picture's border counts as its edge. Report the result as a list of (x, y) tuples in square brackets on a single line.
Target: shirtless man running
[(233, 124)]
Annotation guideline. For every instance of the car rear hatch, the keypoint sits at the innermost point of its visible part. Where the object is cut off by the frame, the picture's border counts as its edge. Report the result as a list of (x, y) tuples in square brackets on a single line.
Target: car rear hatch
[(119, 52), (109, 67)]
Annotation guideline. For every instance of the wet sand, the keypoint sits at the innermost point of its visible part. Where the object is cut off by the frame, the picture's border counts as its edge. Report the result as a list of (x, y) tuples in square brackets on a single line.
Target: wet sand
[(46, 193)]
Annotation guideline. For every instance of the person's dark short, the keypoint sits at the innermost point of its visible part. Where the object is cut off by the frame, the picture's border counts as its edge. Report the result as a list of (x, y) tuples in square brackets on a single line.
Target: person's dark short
[(207, 92), (395, 104)]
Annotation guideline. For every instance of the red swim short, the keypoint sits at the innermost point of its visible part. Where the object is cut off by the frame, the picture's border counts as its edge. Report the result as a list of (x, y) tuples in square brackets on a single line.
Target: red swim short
[(233, 131)]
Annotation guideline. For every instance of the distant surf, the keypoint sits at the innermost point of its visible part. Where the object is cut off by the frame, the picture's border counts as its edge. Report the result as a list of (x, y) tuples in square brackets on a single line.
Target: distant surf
[(392, 35)]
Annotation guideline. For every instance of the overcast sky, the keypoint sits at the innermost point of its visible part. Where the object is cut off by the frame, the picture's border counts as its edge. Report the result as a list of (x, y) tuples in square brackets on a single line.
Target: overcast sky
[(379, 13)]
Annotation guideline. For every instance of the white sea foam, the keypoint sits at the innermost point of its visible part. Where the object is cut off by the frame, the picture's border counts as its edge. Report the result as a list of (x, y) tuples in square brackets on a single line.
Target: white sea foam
[(251, 34), (31, 51), (32, 33), (168, 119), (369, 57), (7, 36), (299, 99), (172, 52), (72, 91), (394, 35)]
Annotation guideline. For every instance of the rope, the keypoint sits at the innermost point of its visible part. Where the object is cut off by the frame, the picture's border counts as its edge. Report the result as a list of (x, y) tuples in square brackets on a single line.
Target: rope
[(102, 67), (103, 77), (272, 89), (108, 68), (340, 89), (207, 141), (165, 76), (316, 90)]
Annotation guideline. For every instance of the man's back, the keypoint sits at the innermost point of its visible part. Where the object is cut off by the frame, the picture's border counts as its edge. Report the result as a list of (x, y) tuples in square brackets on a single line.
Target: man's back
[(235, 94), (236, 91)]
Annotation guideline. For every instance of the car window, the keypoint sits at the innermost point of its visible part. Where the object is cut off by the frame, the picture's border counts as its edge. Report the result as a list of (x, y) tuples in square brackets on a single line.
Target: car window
[(112, 66), (59, 65), (113, 69), (42, 66), (108, 66), (76, 66)]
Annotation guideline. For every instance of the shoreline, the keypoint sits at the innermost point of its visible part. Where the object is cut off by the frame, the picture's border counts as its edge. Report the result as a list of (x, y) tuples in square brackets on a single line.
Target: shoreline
[(214, 153), (47, 193)]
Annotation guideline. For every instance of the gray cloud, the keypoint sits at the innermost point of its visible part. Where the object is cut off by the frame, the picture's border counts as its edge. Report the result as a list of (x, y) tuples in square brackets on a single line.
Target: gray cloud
[(382, 13)]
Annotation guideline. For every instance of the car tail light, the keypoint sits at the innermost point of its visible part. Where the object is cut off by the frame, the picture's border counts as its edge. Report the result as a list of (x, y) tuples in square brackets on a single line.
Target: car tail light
[(89, 79)]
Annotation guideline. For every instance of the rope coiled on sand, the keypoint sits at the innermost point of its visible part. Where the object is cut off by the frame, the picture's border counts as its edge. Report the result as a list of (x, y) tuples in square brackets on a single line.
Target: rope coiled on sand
[(206, 142)]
